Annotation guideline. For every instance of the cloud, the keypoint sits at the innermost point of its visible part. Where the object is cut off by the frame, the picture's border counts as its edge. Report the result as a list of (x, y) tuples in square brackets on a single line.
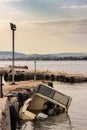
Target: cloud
[(74, 7), (10, 0), (56, 27)]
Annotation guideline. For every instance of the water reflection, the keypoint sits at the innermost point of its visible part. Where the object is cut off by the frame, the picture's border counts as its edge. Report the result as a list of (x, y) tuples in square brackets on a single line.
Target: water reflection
[(62, 122)]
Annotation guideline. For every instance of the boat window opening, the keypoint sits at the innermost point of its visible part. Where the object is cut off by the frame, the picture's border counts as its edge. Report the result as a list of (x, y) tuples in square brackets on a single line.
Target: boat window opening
[(61, 98), (57, 96), (46, 91)]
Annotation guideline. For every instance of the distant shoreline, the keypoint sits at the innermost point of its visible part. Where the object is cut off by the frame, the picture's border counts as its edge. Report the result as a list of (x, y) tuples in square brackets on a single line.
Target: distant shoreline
[(47, 59), (7, 55)]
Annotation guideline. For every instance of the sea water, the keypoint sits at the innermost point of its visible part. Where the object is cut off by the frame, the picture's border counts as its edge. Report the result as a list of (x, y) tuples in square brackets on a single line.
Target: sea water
[(54, 66), (76, 119)]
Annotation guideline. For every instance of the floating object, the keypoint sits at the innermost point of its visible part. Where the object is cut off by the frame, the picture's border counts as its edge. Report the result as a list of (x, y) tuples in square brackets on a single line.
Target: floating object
[(41, 116)]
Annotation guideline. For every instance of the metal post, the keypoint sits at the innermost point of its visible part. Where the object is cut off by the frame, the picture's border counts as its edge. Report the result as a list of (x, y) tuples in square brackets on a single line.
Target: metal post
[(13, 28), (35, 70), (12, 56)]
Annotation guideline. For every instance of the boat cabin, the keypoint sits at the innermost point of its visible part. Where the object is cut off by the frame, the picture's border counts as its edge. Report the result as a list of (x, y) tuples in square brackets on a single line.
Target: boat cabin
[(46, 93)]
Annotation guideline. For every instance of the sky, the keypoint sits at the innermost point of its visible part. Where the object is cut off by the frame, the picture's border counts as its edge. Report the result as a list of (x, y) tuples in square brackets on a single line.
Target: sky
[(44, 26)]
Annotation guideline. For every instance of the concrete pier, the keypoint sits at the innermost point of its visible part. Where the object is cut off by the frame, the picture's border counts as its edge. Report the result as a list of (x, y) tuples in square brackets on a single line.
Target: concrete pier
[(62, 77), (22, 74), (5, 123)]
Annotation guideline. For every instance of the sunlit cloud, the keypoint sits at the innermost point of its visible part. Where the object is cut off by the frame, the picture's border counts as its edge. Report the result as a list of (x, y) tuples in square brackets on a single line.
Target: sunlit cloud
[(57, 27), (74, 7)]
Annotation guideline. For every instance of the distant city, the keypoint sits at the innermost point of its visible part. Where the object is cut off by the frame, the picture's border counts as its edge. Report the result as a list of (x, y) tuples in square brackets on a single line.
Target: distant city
[(7, 55)]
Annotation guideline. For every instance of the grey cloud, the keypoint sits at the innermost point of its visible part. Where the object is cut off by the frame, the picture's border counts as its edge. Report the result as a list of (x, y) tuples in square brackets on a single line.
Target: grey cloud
[(74, 6), (10, 0), (62, 27), (76, 27)]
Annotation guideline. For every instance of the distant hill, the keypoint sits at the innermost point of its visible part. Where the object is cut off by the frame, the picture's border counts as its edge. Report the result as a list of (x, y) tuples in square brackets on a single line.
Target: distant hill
[(60, 55), (7, 55), (70, 54)]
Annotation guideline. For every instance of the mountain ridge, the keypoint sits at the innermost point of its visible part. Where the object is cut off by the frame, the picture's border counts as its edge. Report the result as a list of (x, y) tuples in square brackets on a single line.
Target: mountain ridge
[(8, 55)]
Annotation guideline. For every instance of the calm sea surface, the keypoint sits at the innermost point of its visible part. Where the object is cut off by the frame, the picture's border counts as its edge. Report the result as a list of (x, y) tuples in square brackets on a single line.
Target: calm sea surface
[(60, 66), (76, 119)]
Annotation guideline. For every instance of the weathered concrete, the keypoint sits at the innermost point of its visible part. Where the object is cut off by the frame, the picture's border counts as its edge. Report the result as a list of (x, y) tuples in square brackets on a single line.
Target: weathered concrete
[(4, 114), (62, 77), (27, 74)]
